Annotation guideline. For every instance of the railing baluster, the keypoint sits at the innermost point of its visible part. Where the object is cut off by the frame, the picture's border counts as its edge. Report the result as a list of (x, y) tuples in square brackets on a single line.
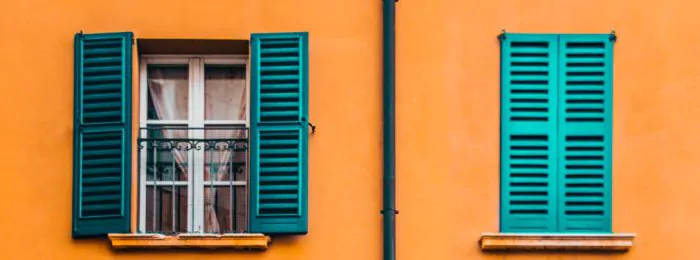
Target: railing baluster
[(172, 193), (211, 187), (230, 187), (155, 184), (246, 175)]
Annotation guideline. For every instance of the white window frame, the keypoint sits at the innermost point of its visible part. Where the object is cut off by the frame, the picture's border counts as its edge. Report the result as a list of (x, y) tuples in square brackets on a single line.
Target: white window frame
[(196, 118)]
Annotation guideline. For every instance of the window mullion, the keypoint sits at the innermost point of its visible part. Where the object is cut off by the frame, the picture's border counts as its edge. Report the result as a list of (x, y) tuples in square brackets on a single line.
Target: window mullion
[(196, 119)]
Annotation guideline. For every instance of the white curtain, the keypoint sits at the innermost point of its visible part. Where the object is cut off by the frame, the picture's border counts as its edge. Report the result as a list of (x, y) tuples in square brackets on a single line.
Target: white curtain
[(225, 99), (168, 94)]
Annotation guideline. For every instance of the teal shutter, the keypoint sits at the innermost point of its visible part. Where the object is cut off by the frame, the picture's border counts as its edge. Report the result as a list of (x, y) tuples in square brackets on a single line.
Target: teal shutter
[(528, 133), (279, 133), (585, 133), (102, 134)]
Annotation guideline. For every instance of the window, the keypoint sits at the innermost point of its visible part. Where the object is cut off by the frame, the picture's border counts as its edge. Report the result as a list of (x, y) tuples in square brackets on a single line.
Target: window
[(193, 170), (556, 133), (222, 145)]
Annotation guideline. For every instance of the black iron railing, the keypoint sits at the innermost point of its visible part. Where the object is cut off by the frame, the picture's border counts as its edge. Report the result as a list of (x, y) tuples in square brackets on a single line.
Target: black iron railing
[(193, 179)]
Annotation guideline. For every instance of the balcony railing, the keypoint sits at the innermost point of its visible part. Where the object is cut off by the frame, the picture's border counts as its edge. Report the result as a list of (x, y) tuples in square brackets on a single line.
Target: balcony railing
[(193, 180)]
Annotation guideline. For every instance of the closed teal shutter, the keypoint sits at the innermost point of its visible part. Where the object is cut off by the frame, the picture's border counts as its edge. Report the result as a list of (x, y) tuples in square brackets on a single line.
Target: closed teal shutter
[(585, 133), (102, 134), (279, 133), (528, 133)]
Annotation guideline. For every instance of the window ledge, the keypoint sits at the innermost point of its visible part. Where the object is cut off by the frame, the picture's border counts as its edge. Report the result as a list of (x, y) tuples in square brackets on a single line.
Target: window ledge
[(618, 242), (211, 241)]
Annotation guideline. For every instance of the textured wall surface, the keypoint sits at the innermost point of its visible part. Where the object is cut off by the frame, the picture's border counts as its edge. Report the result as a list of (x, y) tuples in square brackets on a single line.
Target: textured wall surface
[(447, 119)]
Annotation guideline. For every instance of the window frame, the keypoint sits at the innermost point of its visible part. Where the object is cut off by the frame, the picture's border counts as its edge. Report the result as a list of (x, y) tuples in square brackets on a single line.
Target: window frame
[(196, 118)]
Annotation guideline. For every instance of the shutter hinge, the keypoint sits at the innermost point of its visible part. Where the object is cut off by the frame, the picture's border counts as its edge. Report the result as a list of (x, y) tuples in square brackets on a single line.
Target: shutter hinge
[(502, 36), (78, 123), (313, 128), (613, 36), (80, 33)]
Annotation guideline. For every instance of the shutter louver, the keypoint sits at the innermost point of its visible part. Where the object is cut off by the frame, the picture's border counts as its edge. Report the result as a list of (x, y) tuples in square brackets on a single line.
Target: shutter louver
[(279, 98), (528, 133), (102, 134), (585, 137)]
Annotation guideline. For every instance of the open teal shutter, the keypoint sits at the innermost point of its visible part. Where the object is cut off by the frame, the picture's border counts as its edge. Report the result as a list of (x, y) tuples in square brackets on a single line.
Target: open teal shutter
[(279, 111), (585, 133), (102, 134), (528, 133)]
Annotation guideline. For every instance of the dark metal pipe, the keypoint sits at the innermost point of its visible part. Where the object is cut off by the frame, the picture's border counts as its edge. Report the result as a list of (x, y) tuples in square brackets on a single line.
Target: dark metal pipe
[(389, 209)]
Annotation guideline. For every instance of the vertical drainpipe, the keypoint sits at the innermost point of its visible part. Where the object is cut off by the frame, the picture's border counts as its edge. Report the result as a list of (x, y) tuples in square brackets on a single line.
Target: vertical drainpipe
[(389, 208)]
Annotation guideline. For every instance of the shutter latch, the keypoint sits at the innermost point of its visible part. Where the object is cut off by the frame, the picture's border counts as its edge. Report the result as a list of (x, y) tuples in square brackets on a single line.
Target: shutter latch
[(313, 128)]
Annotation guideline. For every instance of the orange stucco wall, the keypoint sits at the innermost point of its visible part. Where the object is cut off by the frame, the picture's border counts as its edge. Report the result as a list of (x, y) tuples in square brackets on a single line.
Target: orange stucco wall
[(447, 119)]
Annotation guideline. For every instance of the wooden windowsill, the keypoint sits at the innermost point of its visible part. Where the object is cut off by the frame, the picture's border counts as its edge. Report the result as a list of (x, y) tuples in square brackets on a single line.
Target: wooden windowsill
[(617, 242), (212, 241)]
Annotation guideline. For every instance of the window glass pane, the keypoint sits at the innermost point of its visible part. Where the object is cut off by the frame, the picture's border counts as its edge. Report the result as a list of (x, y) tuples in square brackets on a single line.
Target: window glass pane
[(226, 159), (168, 92), (225, 205), (166, 154), (166, 209), (225, 92), (225, 211)]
